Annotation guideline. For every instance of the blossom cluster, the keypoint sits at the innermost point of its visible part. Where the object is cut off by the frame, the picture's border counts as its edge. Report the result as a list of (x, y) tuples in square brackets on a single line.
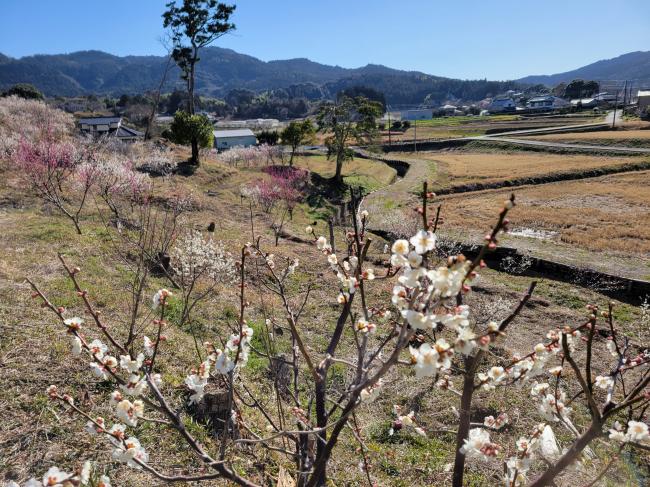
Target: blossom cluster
[(56, 477), (250, 156), (31, 120), (541, 442), (479, 445), (194, 255), (285, 185), (233, 356)]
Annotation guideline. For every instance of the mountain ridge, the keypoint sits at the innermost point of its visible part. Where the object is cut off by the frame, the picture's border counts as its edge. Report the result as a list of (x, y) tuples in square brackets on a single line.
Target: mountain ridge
[(631, 66), (222, 70)]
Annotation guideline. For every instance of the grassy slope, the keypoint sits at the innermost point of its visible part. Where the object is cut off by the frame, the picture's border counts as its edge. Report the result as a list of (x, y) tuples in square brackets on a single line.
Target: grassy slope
[(34, 352)]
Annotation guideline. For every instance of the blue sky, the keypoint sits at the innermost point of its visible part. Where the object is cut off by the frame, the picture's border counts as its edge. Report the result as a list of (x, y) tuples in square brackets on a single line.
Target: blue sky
[(494, 39)]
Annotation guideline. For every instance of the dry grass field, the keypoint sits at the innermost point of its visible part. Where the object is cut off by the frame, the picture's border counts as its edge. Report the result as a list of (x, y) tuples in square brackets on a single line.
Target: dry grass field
[(605, 216), (631, 138), (454, 168), (35, 352)]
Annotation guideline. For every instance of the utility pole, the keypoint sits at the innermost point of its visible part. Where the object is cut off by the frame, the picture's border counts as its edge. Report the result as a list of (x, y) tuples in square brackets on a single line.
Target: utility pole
[(624, 96), (389, 141)]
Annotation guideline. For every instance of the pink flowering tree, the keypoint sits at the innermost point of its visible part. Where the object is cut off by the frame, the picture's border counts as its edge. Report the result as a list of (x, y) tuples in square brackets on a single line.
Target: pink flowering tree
[(425, 328), (279, 194), (31, 120), (50, 168), (116, 182)]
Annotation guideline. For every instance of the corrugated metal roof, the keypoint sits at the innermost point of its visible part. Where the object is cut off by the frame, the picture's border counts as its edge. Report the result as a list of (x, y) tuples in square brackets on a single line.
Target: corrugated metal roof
[(224, 134), (100, 120)]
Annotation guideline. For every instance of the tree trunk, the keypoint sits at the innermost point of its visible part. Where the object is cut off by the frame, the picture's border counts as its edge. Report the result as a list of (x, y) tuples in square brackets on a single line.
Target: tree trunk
[(190, 86), (195, 152), (338, 176), (464, 420), (321, 422)]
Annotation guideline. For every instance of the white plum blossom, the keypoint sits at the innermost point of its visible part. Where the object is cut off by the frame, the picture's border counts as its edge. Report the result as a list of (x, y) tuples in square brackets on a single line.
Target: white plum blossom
[(400, 247), (369, 394), (496, 423), (553, 409), (414, 259), (76, 345), (97, 348), (54, 477), (637, 432), (129, 451), (193, 255), (160, 296), (149, 346), (116, 397), (136, 386), (465, 341), (604, 382), (496, 374), (321, 244), (98, 370), (129, 412), (428, 359), (478, 445), (611, 347), (197, 385), (132, 365), (423, 241), (364, 327), (84, 476), (73, 323), (548, 444)]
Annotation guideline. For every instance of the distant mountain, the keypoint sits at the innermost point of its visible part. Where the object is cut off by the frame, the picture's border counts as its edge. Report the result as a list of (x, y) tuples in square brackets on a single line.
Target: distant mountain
[(222, 70), (631, 66)]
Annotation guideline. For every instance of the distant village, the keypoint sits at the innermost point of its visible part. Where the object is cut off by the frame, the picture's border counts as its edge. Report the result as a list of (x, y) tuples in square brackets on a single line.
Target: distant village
[(230, 133)]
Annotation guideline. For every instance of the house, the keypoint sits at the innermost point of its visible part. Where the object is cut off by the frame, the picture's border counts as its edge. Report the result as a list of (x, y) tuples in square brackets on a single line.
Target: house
[(448, 109), (226, 139), (643, 100), (417, 114), (584, 103), (547, 102), (110, 127), (606, 98), (502, 104)]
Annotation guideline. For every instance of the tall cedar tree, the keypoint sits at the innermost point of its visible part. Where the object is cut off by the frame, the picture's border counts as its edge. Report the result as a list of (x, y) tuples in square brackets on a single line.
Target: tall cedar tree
[(194, 25), (346, 120)]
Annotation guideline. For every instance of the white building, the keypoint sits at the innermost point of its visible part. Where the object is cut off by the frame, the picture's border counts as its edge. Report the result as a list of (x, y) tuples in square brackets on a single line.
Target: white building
[(499, 105), (547, 102), (643, 99), (226, 139)]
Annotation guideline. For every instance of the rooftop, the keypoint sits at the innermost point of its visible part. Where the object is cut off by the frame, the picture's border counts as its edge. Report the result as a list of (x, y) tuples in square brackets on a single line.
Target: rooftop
[(221, 134), (128, 132), (100, 120)]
